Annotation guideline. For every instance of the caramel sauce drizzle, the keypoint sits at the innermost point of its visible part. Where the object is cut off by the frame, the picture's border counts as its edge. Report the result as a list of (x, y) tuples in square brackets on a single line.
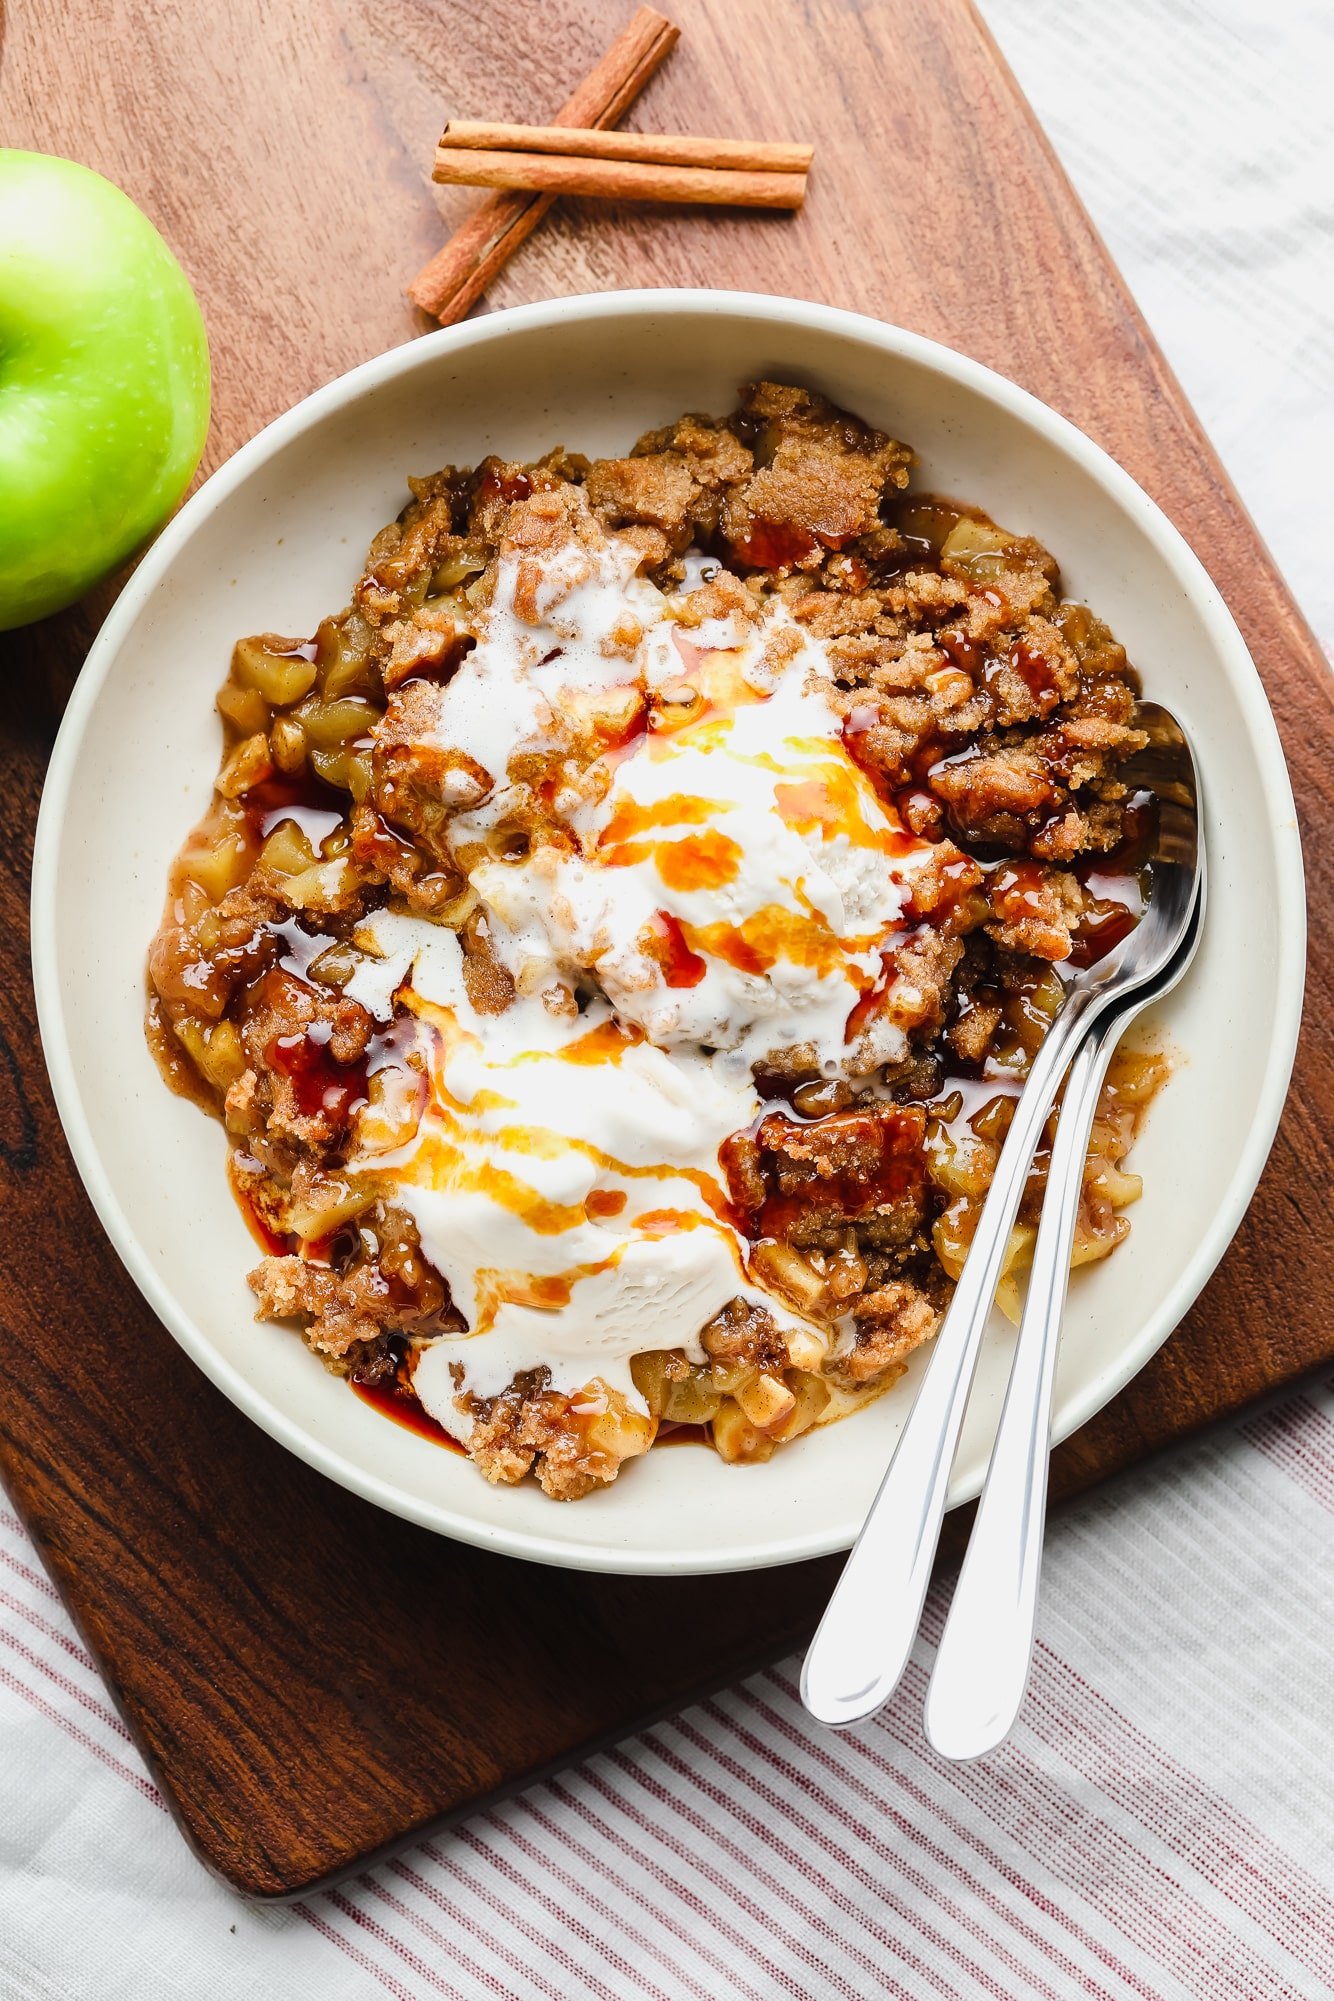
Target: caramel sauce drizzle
[(443, 1157), (830, 797)]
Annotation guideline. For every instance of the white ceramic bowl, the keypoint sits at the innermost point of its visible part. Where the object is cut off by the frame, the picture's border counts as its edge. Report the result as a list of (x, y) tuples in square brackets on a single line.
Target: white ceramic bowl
[(275, 540)]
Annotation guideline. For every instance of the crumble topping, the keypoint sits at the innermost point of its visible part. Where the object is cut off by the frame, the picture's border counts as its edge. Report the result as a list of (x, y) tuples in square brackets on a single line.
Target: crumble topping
[(619, 936)]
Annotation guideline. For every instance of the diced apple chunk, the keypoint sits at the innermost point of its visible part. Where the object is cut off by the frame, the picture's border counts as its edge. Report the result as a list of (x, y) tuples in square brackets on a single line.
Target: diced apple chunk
[(766, 1400), (275, 667), (736, 1439), (248, 765)]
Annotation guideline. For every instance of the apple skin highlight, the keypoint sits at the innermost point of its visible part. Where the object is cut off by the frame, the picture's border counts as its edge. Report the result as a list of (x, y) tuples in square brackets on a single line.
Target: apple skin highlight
[(104, 382)]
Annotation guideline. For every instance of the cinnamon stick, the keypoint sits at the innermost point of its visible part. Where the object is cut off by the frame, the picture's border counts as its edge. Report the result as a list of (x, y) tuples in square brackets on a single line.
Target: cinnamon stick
[(617, 180), (457, 276), (658, 149)]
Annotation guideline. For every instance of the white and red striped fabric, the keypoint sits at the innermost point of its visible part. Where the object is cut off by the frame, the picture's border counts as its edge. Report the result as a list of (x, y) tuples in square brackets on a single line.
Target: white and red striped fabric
[(1162, 1823)]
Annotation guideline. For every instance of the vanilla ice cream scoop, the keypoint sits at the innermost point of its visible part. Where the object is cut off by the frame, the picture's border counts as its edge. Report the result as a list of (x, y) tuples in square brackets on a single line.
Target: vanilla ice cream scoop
[(737, 883), (565, 1181)]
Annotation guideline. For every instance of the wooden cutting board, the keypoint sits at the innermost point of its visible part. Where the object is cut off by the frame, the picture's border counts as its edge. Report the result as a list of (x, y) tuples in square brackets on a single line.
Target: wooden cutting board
[(311, 1680)]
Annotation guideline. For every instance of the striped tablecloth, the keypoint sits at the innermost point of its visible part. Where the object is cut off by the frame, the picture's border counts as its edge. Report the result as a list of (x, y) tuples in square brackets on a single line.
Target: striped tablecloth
[(1162, 1823)]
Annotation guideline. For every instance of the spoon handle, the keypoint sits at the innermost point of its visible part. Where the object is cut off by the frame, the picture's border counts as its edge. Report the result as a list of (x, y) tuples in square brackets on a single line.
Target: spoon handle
[(861, 1648), (981, 1667)]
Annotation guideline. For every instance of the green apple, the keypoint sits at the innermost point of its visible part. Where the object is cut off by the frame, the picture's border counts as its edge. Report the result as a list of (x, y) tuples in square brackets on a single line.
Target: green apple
[(104, 382)]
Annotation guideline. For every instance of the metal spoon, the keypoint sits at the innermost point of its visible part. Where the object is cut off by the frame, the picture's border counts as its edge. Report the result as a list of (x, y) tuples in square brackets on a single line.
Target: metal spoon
[(863, 1642), (982, 1663)]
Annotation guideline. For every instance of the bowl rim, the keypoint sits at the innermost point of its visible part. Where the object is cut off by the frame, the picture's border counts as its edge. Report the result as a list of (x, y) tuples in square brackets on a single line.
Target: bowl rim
[(421, 353)]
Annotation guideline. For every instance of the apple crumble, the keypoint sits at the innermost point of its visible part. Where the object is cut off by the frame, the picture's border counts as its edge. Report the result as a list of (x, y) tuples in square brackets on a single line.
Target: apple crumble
[(618, 938)]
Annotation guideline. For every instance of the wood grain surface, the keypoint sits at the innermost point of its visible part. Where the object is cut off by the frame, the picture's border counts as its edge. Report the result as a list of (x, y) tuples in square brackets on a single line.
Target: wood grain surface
[(310, 1680)]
